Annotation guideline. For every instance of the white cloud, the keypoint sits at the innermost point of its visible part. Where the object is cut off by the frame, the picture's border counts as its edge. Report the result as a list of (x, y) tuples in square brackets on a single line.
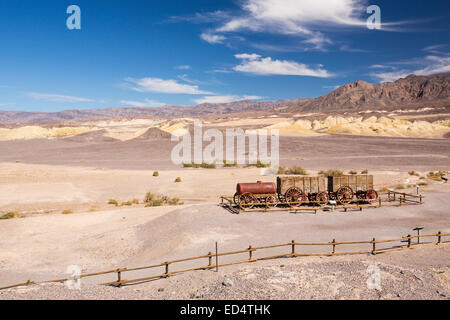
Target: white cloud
[(225, 99), (57, 97), (299, 18), (246, 56), (183, 67), (163, 86), (147, 103), (428, 65), (253, 63), (212, 38)]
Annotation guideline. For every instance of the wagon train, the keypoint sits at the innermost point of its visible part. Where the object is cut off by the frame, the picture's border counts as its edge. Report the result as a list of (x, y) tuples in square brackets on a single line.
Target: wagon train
[(296, 191)]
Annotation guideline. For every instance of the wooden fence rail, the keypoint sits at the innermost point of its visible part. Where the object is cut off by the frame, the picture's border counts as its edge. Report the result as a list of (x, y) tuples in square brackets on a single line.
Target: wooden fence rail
[(293, 252)]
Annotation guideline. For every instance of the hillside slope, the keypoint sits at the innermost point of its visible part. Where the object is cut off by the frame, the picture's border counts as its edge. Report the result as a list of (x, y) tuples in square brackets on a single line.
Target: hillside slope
[(420, 91)]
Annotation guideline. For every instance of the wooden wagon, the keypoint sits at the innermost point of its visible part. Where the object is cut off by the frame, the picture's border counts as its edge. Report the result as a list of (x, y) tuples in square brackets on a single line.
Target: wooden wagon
[(298, 189), (344, 188)]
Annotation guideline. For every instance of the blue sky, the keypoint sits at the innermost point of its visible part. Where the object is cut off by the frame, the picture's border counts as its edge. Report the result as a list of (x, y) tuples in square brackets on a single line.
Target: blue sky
[(151, 53)]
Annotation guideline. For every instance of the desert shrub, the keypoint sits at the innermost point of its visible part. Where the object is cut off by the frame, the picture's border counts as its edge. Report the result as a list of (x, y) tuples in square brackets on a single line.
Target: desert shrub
[(413, 173), (200, 165), (67, 211), (9, 215), (384, 189), (127, 203), (155, 173), (436, 176), (258, 164), (400, 187), (174, 201), (153, 200), (422, 178), (208, 165), (294, 170), (229, 164), (135, 201), (331, 172), (353, 172), (422, 184), (155, 203), (365, 171), (149, 196), (113, 201), (178, 179)]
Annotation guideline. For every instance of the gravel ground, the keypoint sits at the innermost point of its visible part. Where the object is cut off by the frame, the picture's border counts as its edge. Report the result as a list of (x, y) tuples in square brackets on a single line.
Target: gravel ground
[(422, 273)]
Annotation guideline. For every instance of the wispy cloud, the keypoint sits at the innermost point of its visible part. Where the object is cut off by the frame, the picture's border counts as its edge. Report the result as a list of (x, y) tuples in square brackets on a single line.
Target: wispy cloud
[(422, 67), (254, 63), (303, 19), (226, 98), (203, 17), (58, 97), (147, 103), (212, 38), (308, 20), (347, 48), (183, 67), (163, 86), (437, 49), (332, 87)]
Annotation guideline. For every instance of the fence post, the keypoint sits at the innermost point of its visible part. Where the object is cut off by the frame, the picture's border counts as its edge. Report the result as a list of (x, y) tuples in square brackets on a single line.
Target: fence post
[(334, 246), (409, 240), (293, 248), (166, 274), (374, 246), (217, 259), (389, 195), (209, 259), (250, 253), (420, 199), (400, 198), (119, 278), (379, 202), (439, 237)]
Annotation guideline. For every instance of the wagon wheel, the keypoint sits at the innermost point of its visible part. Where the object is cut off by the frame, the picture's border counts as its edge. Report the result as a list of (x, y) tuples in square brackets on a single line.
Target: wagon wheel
[(281, 198), (247, 201), (236, 199), (296, 196), (361, 195), (322, 198), (271, 201), (344, 194), (371, 196)]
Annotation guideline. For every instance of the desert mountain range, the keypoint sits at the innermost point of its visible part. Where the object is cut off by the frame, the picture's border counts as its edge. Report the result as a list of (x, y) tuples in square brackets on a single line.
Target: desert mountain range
[(410, 92)]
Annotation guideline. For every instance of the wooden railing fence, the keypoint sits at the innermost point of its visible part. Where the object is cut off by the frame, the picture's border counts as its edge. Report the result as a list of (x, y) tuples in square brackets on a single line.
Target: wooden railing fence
[(250, 250)]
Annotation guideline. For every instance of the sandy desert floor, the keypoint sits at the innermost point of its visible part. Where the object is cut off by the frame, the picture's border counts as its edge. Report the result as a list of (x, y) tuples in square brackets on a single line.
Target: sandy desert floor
[(41, 178)]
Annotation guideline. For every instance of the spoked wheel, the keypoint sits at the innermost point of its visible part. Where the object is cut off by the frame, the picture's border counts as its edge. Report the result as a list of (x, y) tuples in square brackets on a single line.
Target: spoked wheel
[(236, 199), (247, 201), (322, 198), (295, 197), (344, 194), (371, 196), (361, 195), (271, 201)]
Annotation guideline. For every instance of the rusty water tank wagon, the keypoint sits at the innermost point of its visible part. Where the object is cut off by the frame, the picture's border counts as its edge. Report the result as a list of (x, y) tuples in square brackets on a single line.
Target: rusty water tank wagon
[(256, 188)]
